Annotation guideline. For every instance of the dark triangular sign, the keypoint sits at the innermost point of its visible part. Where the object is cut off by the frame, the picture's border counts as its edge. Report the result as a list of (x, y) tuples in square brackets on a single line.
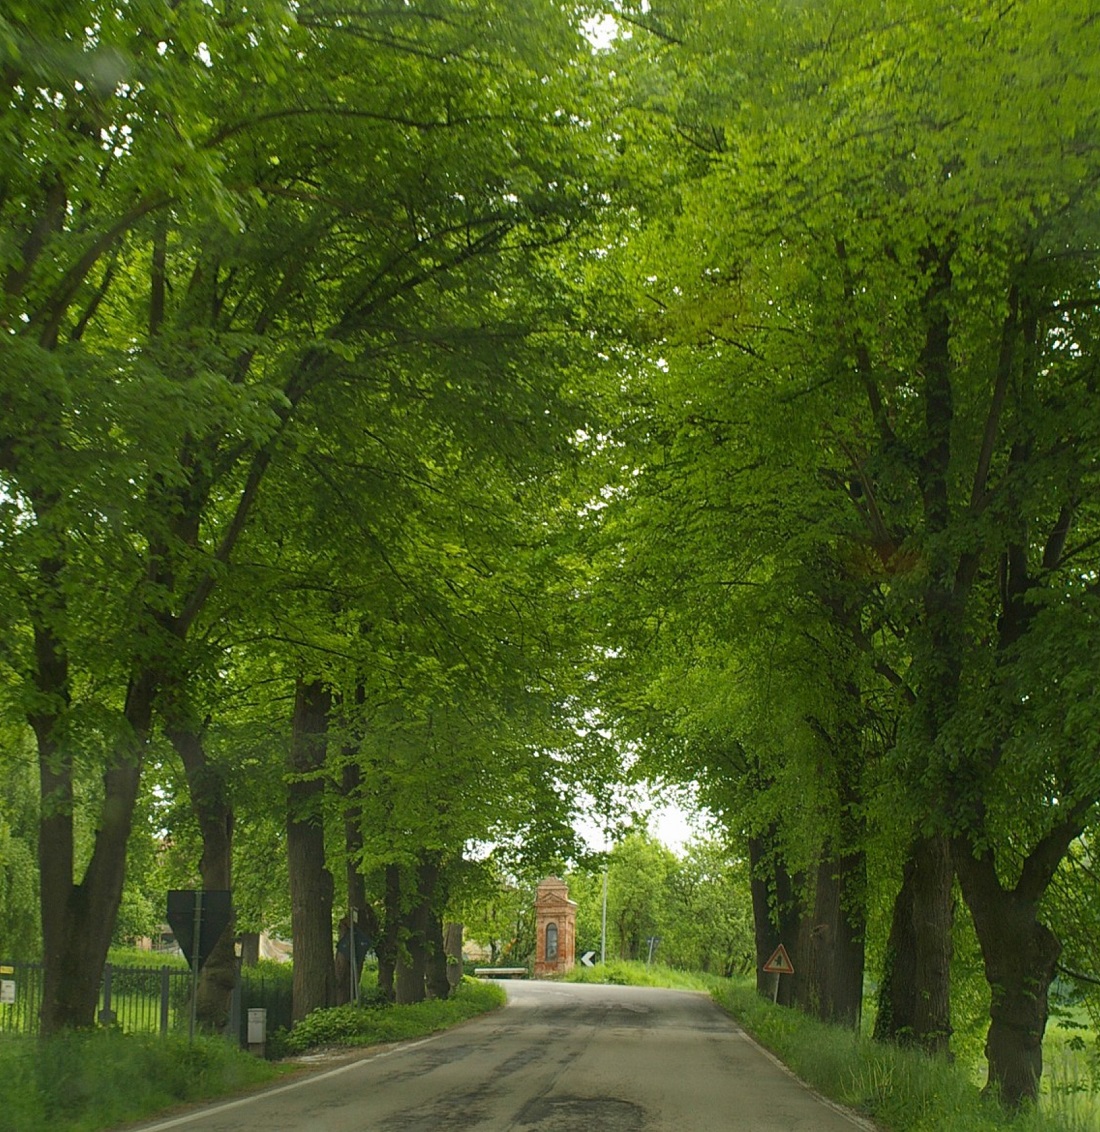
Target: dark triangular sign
[(780, 962), (215, 907)]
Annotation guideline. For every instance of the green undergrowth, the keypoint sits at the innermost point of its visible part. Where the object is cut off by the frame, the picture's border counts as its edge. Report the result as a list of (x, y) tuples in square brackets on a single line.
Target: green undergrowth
[(97, 1079), (376, 1022), (636, 974), (139, 957), (901, 1090)]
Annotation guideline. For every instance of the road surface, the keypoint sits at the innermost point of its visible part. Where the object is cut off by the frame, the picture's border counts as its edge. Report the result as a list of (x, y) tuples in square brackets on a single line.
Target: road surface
[(560, 1057)]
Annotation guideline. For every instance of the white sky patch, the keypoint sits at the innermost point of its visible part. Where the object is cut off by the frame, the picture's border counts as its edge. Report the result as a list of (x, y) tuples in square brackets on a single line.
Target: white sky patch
[(674, 821), (601, 31)]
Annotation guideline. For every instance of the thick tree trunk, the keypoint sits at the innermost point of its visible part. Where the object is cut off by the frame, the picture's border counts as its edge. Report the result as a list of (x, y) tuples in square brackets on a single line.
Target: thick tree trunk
[(895, 1019), (914, 1006), (790, 915), (209, 803), (765, 931), (439, 985), (311, 885), (250, 949), (776, 911), (78, 919), (365, 918), (412, 958), (1020, 956), (414, 948), (386, 949), (452, 948), (833, 951)]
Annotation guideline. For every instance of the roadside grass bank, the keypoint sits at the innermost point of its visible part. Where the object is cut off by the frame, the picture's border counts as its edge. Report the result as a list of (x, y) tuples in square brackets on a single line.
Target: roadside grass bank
[(634, 973), (903, 1090), (94, 1080), (376, 1022)]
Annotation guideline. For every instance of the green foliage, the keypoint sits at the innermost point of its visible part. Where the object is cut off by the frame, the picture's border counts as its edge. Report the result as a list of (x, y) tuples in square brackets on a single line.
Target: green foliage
[(495, 910), (383, 1022), (19, 929), (698, 905), (98, 1080)]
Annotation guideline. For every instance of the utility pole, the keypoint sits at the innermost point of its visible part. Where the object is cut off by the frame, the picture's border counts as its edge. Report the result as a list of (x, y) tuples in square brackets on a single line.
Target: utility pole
[(603, 919)]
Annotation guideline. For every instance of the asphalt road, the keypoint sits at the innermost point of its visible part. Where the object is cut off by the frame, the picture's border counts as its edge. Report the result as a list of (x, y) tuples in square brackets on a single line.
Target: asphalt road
[(561, 1057)]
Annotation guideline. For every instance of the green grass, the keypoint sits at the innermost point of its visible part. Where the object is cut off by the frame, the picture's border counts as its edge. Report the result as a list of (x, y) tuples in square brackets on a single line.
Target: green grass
[(92, 1080), (903, 1090), (374, 1023), (636, 974)]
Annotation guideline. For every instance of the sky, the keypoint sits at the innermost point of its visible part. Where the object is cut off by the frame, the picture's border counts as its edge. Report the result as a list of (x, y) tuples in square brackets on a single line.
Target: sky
[(673, 822)]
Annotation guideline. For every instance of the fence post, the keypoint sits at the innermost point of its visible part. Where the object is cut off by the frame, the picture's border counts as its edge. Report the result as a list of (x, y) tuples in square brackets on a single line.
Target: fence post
[(107, 1015), (165, 989)]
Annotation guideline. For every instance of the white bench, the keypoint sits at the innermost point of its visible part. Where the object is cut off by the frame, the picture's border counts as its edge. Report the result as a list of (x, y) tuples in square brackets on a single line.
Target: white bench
[(500, 972)]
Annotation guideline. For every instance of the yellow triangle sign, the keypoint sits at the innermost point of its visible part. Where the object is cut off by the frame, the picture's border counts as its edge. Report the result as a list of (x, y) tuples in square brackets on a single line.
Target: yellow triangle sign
[(780, 962)]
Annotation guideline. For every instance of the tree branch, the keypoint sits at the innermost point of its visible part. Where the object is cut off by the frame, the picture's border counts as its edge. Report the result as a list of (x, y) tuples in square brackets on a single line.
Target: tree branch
[(1042, 862), (996, 403)]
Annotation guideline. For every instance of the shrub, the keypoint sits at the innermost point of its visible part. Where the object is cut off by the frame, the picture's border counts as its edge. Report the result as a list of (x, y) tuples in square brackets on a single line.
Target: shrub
[(374, 1022)]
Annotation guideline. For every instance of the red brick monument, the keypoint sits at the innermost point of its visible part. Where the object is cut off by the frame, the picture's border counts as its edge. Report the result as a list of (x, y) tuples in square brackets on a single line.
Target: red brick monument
[(555, 928)]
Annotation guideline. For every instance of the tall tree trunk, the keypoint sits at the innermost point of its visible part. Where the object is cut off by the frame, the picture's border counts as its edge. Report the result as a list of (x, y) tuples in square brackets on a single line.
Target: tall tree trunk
[(834, 952), (777, 912), (366, 920), (210, 804), (78, 919), (439, 985), (250, 949), (452, 948), (311, 884), (414, 946), (1020, 956), (386, 949), (790, 913), (765, 929), (914, 1005), (833, 940)]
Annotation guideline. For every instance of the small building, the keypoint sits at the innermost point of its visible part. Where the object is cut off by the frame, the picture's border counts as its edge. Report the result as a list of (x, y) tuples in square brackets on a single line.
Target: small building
[(555, 928)]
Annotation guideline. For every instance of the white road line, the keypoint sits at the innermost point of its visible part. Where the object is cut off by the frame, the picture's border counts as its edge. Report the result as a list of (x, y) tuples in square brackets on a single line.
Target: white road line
[(206, 1112), (839, 1109)]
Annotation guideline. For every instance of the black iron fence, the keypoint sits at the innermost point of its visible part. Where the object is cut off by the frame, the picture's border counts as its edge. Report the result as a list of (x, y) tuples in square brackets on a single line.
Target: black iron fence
[(144, 999)]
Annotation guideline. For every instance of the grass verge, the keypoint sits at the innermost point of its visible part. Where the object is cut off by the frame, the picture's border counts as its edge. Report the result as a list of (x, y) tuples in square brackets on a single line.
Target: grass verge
[(636, 974), (371, 1024), (901, 1090), (91, 1080)]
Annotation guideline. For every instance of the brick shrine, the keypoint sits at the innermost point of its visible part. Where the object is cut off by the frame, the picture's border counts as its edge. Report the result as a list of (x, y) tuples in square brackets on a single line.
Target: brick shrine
[(555, 928)]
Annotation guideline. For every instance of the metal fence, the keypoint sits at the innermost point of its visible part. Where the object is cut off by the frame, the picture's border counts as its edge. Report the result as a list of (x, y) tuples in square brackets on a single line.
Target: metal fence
[(145, 999)]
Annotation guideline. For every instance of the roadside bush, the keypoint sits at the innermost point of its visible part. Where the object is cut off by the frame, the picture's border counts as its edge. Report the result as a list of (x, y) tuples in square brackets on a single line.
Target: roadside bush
[(370, 1024)]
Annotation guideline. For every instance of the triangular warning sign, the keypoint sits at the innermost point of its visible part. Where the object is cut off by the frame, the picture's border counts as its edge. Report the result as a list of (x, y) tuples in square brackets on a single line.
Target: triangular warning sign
[(780, 962)]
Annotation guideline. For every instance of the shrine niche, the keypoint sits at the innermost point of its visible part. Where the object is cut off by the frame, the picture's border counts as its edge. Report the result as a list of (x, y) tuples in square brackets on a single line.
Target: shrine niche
[(555, 928)]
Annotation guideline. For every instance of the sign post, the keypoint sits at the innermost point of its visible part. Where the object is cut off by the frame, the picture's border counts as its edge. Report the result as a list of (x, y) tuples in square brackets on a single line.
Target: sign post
[(778, 965), (198, 918), (653, 941)]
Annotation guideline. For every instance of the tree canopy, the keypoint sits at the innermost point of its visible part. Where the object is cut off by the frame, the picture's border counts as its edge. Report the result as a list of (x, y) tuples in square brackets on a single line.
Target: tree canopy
[(416, 417)]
